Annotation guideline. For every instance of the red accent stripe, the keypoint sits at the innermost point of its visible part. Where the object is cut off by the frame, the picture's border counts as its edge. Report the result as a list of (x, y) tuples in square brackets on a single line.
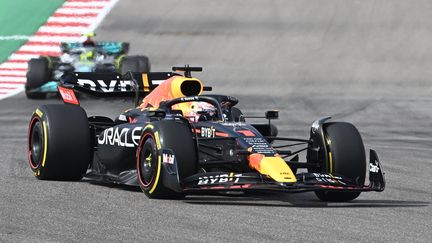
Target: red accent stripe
[(7, 82), (42, 53), (83, 7), (41, 33), (42, 43), (194, 130), (17, 60), (13, 75), (3, 93), (75, 15), (66, 24), (33, 120), (13, 69), (222, 134), (8, 87), (247, 133), (216, 187)]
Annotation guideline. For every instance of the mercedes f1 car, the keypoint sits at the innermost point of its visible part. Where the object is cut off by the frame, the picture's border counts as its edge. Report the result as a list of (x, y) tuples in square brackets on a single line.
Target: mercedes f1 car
[(180, 141), (88, 56)]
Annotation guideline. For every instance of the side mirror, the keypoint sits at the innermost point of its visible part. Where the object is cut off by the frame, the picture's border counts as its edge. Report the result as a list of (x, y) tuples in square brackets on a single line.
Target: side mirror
[(272, 115), (157, 113)]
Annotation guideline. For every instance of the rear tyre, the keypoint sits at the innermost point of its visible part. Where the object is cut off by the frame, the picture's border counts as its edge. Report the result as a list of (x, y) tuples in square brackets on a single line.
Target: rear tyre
[(38, 74), (346, 158), (175, 136), (135, 64), (59, 146)]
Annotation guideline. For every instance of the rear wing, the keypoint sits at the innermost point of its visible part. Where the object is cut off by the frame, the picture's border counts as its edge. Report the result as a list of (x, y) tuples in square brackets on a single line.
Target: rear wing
[(131, 84), (111, 47), (114, 84)]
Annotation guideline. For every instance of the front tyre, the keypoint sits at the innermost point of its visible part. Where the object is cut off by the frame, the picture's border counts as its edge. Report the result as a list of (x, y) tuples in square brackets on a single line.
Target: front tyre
[(158, 136), (346, 157), (59, 144)]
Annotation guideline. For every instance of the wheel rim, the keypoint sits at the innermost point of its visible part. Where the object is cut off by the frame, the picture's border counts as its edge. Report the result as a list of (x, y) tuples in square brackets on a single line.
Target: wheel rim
[(36, 145), (148, 166)]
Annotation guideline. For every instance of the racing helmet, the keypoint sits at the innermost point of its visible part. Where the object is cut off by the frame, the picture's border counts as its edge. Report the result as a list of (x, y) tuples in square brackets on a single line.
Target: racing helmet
[(199, 111), (89, 41)]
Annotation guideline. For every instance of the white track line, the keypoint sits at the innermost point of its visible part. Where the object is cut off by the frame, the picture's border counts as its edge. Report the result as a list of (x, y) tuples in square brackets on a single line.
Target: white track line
[(12, 73), (52, 38), (22, 57), (12, 79), (79, 30), (84, 20), (40, 48), (9, 86), (14, 37), (77, 11), (13, 65)]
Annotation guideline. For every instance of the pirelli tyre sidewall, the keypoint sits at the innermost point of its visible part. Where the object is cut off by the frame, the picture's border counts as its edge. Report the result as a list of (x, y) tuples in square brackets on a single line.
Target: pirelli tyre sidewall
[(59, 143), (346, 157), (157, 136)]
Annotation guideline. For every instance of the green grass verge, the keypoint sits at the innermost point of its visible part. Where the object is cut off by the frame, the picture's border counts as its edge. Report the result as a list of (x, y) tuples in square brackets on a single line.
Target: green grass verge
[(22, 17)]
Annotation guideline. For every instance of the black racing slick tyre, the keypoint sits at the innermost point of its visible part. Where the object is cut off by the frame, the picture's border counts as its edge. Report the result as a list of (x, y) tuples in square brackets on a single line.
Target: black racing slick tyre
[(59, 143), (135, 64), (38, 74), (346, 158), (157, 136)]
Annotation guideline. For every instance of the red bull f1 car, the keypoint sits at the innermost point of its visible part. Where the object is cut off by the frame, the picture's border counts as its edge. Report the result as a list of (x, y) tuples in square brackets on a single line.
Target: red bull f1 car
[(180, 140)]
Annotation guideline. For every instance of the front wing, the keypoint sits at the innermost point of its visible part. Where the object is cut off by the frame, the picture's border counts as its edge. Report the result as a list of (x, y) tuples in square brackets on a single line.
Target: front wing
[(217, 181)]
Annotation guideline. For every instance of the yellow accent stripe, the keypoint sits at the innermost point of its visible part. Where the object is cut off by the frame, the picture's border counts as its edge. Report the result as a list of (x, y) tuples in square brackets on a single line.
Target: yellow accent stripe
[(149, 126), (39, 112), (146, 82), (330, 162), (45, 143), (157, 176), (158, 145)]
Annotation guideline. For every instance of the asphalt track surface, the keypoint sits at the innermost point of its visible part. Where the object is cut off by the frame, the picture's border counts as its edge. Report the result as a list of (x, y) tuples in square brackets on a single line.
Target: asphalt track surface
[(366, 62)]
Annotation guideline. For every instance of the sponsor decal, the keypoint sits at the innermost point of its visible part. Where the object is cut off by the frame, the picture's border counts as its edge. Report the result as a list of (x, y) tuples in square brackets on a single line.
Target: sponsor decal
[(39, 112), (328, 178), (219, 179), (123, 137), (373, 168), (259, 145), (68, 95), (168, 158), (208, 132), (114, 85), (193, 98)]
